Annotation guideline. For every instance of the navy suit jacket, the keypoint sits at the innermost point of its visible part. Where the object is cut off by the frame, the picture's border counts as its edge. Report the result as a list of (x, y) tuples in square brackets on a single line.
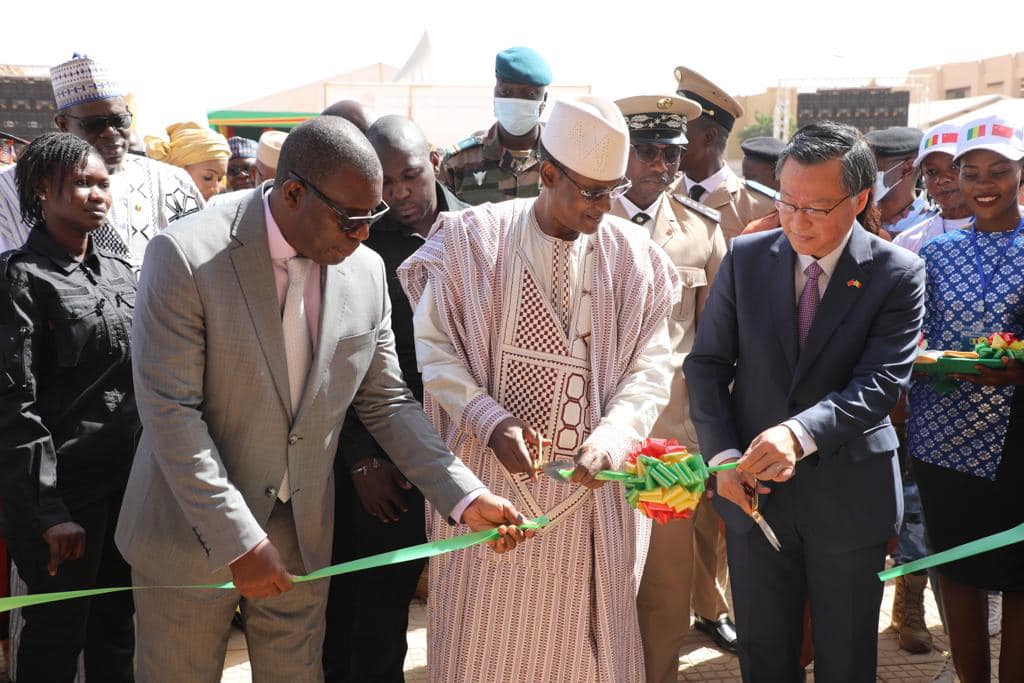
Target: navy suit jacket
[(747, 373)]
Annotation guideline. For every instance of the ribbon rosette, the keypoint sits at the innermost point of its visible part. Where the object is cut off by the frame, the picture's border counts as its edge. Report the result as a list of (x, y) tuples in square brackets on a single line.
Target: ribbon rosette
[(667, 481)]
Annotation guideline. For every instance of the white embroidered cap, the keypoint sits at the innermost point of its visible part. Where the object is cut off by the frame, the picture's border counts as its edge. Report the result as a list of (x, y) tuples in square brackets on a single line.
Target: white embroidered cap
[(589, 136), (269, 149), (992, 133), (82, 80)]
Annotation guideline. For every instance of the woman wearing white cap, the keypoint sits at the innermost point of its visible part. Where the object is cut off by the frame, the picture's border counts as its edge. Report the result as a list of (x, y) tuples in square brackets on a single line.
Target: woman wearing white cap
[(942, 182), (967, 443)]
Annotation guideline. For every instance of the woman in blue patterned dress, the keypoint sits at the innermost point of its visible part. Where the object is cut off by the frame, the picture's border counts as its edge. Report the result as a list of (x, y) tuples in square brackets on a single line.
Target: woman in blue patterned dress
[(967, 444)]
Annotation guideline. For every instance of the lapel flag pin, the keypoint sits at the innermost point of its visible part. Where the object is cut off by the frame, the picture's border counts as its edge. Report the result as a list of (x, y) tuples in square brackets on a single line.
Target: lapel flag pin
[(854, 283)]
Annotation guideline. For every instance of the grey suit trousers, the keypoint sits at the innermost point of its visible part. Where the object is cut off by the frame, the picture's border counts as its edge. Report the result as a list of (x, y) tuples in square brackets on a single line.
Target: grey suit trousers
[(284, 634)]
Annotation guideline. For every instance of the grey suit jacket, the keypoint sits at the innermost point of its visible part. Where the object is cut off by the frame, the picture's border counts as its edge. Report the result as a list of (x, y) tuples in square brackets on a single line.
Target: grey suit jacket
[(212, 388)]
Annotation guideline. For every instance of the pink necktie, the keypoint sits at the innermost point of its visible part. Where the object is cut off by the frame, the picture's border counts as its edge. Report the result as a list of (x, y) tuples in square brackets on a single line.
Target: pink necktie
[(809, 300)]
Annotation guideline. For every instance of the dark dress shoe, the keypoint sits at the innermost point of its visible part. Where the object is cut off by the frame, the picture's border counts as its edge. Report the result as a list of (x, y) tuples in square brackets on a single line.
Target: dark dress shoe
[(723, 631)]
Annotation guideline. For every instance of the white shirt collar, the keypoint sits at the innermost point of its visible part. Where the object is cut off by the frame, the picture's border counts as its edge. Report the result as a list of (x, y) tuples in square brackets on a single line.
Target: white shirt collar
[(828, 261), (632, 209), (710, 184)]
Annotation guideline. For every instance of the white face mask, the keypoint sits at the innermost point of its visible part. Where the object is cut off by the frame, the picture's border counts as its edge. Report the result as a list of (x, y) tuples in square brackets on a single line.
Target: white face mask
[(883, 185), (516, 116)]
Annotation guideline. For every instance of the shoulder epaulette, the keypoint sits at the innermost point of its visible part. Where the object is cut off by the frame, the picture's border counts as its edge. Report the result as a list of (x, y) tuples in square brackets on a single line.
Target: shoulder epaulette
[(463, 145), (761, 189), (706, 211)]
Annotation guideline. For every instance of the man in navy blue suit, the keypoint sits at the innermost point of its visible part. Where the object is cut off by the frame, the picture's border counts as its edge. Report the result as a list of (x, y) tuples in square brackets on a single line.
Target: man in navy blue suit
[(807, 338)]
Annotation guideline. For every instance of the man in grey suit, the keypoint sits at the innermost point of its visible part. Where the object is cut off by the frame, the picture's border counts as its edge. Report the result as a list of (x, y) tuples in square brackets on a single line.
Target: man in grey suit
[(257, 324), (808, 335)]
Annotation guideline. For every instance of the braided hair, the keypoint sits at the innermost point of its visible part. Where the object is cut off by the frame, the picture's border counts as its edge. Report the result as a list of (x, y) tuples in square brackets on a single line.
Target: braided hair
[(50, 156)]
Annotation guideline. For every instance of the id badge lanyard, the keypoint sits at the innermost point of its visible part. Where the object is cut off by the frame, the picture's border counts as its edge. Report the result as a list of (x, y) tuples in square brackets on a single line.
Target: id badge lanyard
[(986, 280)]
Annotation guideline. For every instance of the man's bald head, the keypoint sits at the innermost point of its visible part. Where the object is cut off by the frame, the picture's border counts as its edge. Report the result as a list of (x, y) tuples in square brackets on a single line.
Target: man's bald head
[(350, 110), (410, 187), (321, 146), (400, 134)]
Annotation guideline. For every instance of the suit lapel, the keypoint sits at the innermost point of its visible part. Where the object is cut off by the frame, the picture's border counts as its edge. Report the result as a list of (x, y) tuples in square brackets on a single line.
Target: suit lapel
[(782, 295), (250, 257), (333, 308), (840, 296)]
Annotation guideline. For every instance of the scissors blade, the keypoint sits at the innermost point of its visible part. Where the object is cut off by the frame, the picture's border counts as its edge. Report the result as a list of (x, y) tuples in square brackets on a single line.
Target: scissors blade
[(767, 531)]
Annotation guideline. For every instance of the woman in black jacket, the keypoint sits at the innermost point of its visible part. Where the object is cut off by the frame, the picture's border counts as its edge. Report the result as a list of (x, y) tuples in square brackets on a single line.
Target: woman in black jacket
[(68, 421)]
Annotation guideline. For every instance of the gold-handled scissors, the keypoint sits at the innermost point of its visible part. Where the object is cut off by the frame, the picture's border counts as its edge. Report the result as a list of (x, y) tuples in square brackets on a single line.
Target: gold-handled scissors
[(755, 514)]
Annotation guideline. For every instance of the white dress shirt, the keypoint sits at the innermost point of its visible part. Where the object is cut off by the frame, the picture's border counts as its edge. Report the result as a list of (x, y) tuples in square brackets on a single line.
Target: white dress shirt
[(827, 263), (710, 184), (632, 209)]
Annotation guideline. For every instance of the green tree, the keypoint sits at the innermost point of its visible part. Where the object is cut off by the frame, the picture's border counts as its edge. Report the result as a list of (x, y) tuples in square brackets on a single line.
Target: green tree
[(763, 125)]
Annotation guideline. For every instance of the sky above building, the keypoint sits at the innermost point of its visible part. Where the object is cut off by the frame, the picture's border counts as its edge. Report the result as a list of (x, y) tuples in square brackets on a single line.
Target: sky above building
[(188, 57)]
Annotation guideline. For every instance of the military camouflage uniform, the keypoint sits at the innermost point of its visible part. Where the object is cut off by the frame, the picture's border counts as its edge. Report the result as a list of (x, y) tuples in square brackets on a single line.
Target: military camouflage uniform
[(478, 170)]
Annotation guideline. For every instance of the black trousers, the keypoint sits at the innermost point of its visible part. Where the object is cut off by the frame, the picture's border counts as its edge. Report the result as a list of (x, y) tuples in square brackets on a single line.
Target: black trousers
[(54, 634), (769, 588), (368, 611)]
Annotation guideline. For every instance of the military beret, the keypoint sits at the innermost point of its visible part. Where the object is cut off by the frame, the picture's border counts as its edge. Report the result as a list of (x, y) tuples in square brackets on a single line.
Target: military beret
[(763, 148), (717, 104), (522, 65), (897, 141), (658, 118)]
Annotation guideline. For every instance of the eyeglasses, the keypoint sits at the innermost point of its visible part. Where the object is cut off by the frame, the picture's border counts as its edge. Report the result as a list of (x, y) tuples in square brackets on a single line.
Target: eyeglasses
[(594, 196), (648, 153), (94, 125), (234, 171), (346, 222), (787, 209)]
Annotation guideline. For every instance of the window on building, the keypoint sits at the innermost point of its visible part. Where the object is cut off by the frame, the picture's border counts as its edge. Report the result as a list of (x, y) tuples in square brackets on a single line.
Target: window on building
[(957, 93), (996, 87)]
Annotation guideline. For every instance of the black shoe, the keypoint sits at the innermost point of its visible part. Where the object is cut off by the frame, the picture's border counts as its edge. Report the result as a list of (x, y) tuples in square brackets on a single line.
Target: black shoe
[(722, 631)]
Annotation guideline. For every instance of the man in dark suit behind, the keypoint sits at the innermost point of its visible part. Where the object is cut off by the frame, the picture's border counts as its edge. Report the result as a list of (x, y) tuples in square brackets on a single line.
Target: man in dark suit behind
[(814, 326)]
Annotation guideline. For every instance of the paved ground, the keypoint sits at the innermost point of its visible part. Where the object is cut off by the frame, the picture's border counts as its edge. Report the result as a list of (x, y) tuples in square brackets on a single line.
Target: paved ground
[(698, 661)]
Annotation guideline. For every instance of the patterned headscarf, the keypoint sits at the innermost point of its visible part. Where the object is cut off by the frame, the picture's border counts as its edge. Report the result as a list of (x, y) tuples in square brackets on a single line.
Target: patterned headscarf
[(189, 144)]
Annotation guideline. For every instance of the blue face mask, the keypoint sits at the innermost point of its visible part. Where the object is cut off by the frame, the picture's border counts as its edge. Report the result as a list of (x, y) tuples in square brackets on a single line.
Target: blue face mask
[(516, 116)]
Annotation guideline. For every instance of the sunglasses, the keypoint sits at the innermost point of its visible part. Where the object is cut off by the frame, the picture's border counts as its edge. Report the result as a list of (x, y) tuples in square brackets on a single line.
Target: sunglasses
[(94, 125), (346, 222), (650, 153), (235, 171), (594, 196)]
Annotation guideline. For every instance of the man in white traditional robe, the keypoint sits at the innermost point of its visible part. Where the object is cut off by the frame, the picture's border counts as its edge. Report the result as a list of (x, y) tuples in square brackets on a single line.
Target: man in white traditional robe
[(537, 319), (146, 194)]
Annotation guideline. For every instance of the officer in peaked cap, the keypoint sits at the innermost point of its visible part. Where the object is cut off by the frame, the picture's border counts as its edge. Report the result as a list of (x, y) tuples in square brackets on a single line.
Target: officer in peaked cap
[(760, 154), (504, 162), (707, 178), (689, 233), (899, 202)]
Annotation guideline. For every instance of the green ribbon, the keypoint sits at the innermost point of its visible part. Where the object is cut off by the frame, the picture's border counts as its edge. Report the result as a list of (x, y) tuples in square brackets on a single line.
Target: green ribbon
[(969, 549), (626, 477), (415, 552)]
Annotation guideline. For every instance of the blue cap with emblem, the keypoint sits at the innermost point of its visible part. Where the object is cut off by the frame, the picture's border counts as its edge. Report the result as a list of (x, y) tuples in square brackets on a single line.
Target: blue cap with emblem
[(522, 65)]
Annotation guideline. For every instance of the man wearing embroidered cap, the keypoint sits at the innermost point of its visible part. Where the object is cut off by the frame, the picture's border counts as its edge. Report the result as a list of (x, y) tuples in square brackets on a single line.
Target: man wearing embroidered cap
[(707, 178), (243, 156), (147, 195), (545, 318), (503, 163), (895, 192), (689, 234)]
